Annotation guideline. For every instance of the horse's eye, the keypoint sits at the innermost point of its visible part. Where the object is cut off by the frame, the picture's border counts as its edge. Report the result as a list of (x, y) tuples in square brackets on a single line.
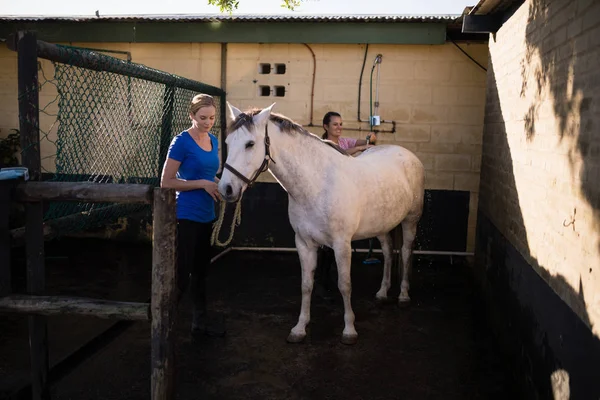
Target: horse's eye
[(249, 144)]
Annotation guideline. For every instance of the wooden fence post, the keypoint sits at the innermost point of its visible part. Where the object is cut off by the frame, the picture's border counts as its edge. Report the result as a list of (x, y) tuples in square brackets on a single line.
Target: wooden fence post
[(163, 303), (34, 236)]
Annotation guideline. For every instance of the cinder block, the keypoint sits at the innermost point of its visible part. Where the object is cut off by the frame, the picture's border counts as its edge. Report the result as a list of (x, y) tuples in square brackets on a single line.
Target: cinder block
[(473, 149), (438, 148), (446, 133), (242, 51), (414, 94), (446, 95), (476, 163), (439, 180), (429, 114), (427, 159), (466, 181), (452, 162), (467, 115), (467, 72), (208, 51), (164, 51), (432, 71), (413, 133), (471, 134)]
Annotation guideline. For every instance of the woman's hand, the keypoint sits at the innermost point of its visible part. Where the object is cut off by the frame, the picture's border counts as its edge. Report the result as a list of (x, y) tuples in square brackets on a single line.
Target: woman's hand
[(372, 137), (211, 187)]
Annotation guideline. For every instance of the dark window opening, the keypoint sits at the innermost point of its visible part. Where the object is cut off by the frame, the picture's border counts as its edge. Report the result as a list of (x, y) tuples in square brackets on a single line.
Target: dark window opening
[(264, 68), (280, 69), (264, 91), (279, 91)]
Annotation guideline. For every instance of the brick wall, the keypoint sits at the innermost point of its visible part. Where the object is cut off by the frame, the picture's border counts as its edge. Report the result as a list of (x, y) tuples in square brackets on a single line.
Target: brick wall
[(434, 93), (541, 150)]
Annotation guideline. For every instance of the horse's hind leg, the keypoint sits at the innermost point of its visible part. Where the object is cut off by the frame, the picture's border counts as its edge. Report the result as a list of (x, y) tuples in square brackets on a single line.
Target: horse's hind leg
[(409, 231), (308, 262), (343, 254), (388, 256)]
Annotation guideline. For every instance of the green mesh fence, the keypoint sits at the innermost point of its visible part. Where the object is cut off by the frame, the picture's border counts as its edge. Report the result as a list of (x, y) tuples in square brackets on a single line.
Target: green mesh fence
[(107, 120)]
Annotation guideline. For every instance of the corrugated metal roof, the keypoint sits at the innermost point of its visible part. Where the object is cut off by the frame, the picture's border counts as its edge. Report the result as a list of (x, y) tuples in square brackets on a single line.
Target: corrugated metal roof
[(235, 18)]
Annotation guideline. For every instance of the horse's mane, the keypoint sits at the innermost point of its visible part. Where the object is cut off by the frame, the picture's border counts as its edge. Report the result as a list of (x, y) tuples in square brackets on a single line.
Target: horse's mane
[(284, 123)]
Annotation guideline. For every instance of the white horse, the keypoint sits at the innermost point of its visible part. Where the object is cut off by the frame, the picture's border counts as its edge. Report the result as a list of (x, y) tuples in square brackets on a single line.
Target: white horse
[(333, 198)]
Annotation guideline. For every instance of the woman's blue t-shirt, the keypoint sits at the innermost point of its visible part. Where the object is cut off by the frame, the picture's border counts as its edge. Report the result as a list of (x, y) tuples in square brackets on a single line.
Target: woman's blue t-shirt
[(196, 163)]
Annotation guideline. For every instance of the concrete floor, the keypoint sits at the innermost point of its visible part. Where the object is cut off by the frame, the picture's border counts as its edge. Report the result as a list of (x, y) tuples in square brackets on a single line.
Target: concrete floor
[(437, 348)]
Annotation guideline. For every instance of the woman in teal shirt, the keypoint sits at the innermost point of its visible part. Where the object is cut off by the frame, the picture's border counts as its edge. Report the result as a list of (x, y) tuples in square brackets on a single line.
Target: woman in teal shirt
[(191, 167)]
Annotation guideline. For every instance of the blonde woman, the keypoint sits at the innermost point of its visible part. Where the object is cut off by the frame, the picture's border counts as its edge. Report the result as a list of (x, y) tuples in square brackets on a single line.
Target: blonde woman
[(190, 168)]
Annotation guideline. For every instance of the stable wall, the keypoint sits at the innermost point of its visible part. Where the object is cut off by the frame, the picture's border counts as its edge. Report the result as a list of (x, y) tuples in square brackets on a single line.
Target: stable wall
[(538, 251), (433, 92)]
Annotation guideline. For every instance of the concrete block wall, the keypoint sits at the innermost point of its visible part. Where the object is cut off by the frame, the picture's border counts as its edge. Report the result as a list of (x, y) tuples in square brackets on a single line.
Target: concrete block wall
[(434, 93), (541, 153)]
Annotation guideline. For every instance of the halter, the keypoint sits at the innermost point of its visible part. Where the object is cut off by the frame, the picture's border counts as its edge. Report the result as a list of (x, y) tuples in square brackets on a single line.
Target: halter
[(265, 164)]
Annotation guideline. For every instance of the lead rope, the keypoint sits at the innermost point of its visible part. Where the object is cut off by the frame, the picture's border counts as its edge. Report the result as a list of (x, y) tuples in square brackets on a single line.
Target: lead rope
[(237, 220)]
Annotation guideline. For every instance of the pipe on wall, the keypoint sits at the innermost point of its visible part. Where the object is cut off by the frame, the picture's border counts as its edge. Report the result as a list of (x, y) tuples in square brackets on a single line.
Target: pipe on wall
[(359, 119), (312, 90)]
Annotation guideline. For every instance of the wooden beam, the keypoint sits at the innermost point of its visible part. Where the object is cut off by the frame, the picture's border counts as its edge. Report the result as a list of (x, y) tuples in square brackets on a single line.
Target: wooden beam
[(163, 293), (64, 305), (52, 228), (87, 192), (26, 44)]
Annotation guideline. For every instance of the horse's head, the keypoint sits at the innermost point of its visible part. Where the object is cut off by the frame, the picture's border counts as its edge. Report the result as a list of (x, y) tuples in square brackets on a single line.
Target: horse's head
[(248, 151)]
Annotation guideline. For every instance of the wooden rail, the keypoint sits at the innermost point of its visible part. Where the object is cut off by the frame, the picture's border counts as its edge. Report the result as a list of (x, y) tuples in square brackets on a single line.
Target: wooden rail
[(161, 310), (87, 192), (163, 293), (60, 305)]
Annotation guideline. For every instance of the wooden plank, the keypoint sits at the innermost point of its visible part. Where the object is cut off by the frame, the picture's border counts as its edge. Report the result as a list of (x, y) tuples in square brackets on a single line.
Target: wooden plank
[(163, 301), (30, 155), (61, 305), (53, 227), (87, 192)]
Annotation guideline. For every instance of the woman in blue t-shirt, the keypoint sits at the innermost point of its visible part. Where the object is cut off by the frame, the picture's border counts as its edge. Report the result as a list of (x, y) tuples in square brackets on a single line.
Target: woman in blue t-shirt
[(191, 167)]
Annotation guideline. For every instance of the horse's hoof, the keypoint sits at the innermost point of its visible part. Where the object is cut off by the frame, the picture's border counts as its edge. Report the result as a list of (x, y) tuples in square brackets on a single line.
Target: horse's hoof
[(349, 339), (381, 301), (403, 301), (294, 338)]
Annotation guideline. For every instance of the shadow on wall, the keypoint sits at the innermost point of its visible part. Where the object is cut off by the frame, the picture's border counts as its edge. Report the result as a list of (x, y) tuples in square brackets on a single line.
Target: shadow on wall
[(553, 353), (570, 72), (544, 339)]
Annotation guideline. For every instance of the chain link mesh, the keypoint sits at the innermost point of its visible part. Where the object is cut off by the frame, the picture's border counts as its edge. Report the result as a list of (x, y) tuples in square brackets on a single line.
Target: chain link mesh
[(106, 127)]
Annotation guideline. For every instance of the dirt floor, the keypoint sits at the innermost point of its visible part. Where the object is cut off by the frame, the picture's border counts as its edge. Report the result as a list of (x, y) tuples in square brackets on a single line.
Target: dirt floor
[(437, 348)]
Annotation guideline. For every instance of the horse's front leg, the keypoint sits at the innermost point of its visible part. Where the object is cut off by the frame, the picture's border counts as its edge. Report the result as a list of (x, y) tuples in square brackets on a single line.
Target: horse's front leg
[(308, 262), (343, 256)]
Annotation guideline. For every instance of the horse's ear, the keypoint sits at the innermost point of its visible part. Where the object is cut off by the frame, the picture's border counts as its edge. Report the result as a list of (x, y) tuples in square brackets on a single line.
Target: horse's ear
[(233, 111), (263, 116)]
